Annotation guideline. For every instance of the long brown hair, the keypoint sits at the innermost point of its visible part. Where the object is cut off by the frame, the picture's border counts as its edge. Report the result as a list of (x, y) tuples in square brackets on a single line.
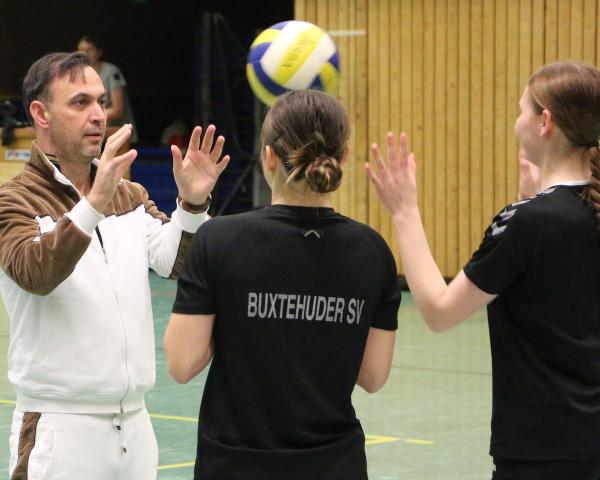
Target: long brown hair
[(571, 92), (308, 130)]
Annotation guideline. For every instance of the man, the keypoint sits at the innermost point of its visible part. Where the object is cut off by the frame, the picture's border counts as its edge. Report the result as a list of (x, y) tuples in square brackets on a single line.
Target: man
[(76, 244)]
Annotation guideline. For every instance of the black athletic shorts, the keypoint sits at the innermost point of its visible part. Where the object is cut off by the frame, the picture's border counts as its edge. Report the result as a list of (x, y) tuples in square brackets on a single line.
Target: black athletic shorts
[(546, 470)]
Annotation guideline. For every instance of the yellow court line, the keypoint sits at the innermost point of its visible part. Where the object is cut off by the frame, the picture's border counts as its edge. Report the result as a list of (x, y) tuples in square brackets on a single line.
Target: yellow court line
[(369, 439), (419, 442), (173, 417), (377, 439), (176, 465)]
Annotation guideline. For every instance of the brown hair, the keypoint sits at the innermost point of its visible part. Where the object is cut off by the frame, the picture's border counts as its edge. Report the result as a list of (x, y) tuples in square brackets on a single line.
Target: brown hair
[(308, 130), (36, 85), (571, 92), (91, 40)]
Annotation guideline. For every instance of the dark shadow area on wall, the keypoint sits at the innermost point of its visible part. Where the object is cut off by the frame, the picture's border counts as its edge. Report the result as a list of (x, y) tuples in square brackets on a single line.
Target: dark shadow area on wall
[(152, 41)]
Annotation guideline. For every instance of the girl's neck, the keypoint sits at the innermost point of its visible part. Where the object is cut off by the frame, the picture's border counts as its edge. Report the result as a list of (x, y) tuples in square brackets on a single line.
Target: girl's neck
[(287, 195), (569, 167)]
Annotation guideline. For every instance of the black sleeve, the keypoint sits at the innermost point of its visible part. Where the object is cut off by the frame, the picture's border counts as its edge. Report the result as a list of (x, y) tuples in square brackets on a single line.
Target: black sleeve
[(385, 316), (194, 286), (505, 252)]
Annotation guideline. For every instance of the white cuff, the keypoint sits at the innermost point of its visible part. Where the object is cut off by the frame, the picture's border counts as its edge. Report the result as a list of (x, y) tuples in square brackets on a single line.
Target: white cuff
[(188, 222), (85, 216)]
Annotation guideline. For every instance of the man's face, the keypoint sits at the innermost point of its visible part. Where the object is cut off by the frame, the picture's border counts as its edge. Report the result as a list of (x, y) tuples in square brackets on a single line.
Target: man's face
[(77, 116)]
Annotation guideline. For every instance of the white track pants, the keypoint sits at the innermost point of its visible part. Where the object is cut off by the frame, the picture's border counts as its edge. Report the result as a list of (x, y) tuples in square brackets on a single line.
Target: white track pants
[(61, 446)]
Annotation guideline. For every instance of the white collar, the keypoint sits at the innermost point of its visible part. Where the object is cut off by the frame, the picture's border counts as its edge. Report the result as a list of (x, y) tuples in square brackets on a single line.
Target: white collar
[(572, 183)]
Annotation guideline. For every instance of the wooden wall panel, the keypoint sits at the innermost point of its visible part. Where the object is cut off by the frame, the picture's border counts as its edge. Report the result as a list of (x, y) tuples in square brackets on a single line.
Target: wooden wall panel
[(589, 31), (451, 185), (576, 29), (514, 50), (597, 34), (440, 125), (538, 43), (449, 73), (551, 30), (426, 155), (417, 92), (500, 86), (463, 170), (374, 102), (489, 114), (382, 48), (362, 141), (475, 154)]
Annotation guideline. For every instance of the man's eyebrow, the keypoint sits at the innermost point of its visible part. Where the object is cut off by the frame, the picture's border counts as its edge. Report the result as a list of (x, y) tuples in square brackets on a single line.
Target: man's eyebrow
[(78, 95)]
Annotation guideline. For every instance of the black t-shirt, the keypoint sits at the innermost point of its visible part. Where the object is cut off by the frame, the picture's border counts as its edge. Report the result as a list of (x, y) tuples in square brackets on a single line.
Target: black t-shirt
[(294, 291), (541, 257)]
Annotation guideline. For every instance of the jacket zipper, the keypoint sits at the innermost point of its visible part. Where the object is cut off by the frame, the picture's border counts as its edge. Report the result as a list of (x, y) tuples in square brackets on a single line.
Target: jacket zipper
[(97, 229)]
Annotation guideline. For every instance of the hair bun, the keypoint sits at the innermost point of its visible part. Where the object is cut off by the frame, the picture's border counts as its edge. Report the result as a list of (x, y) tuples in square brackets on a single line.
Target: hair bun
[(324, 174)]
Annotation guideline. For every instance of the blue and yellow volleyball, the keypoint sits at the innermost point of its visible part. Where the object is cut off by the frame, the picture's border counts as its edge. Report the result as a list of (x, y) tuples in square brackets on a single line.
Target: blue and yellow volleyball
[(293, 55)]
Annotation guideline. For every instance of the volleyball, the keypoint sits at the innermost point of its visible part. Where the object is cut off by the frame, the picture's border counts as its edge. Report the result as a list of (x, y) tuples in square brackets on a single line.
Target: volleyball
[(292, 55)]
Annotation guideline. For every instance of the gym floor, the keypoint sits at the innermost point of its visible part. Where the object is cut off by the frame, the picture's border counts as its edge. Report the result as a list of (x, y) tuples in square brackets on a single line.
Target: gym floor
[(430, 421)]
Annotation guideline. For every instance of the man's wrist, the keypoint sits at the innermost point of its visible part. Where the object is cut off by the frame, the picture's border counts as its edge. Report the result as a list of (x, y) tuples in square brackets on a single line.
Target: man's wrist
[(95, 203), (195, 208)]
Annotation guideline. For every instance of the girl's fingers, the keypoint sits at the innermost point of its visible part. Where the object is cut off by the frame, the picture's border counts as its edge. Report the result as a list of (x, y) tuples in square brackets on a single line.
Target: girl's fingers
[(403, 148), (373, 176), (381, 166), (391, 148), (412, 163)]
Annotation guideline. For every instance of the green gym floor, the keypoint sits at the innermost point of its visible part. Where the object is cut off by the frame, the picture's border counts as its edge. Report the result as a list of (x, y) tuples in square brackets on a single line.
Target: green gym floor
[(430, 421)]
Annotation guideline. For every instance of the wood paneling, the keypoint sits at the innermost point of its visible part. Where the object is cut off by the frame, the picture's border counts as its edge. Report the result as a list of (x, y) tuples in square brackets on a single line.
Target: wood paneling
[(450, 74)]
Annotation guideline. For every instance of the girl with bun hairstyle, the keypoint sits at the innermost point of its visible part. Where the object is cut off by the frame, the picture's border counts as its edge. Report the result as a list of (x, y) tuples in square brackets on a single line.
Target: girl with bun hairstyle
[(294, 304), (537, 270)]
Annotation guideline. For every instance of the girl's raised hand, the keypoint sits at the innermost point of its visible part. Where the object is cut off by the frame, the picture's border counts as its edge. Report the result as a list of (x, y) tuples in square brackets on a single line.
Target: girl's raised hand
[(394, 180)]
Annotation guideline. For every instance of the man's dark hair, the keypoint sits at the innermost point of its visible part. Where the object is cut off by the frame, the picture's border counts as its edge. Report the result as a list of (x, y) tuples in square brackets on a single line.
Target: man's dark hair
[(45, 70)]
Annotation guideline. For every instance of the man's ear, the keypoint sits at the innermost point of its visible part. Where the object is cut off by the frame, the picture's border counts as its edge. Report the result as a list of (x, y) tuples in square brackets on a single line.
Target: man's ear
[(39, 113)]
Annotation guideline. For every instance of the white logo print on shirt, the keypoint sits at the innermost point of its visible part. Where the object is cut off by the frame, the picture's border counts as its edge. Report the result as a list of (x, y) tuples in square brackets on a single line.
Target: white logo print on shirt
[(304, 307)]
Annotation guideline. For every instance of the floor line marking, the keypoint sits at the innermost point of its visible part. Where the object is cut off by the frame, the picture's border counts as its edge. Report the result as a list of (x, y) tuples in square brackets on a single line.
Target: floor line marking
[(377, 439), (418, 441), (178, 418), (176, 465), (369, 439), (441, 370)]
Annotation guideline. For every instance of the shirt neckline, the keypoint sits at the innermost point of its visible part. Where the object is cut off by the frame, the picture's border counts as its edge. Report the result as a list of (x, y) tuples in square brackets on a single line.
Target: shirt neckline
[(572, 183), (302, 211)]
